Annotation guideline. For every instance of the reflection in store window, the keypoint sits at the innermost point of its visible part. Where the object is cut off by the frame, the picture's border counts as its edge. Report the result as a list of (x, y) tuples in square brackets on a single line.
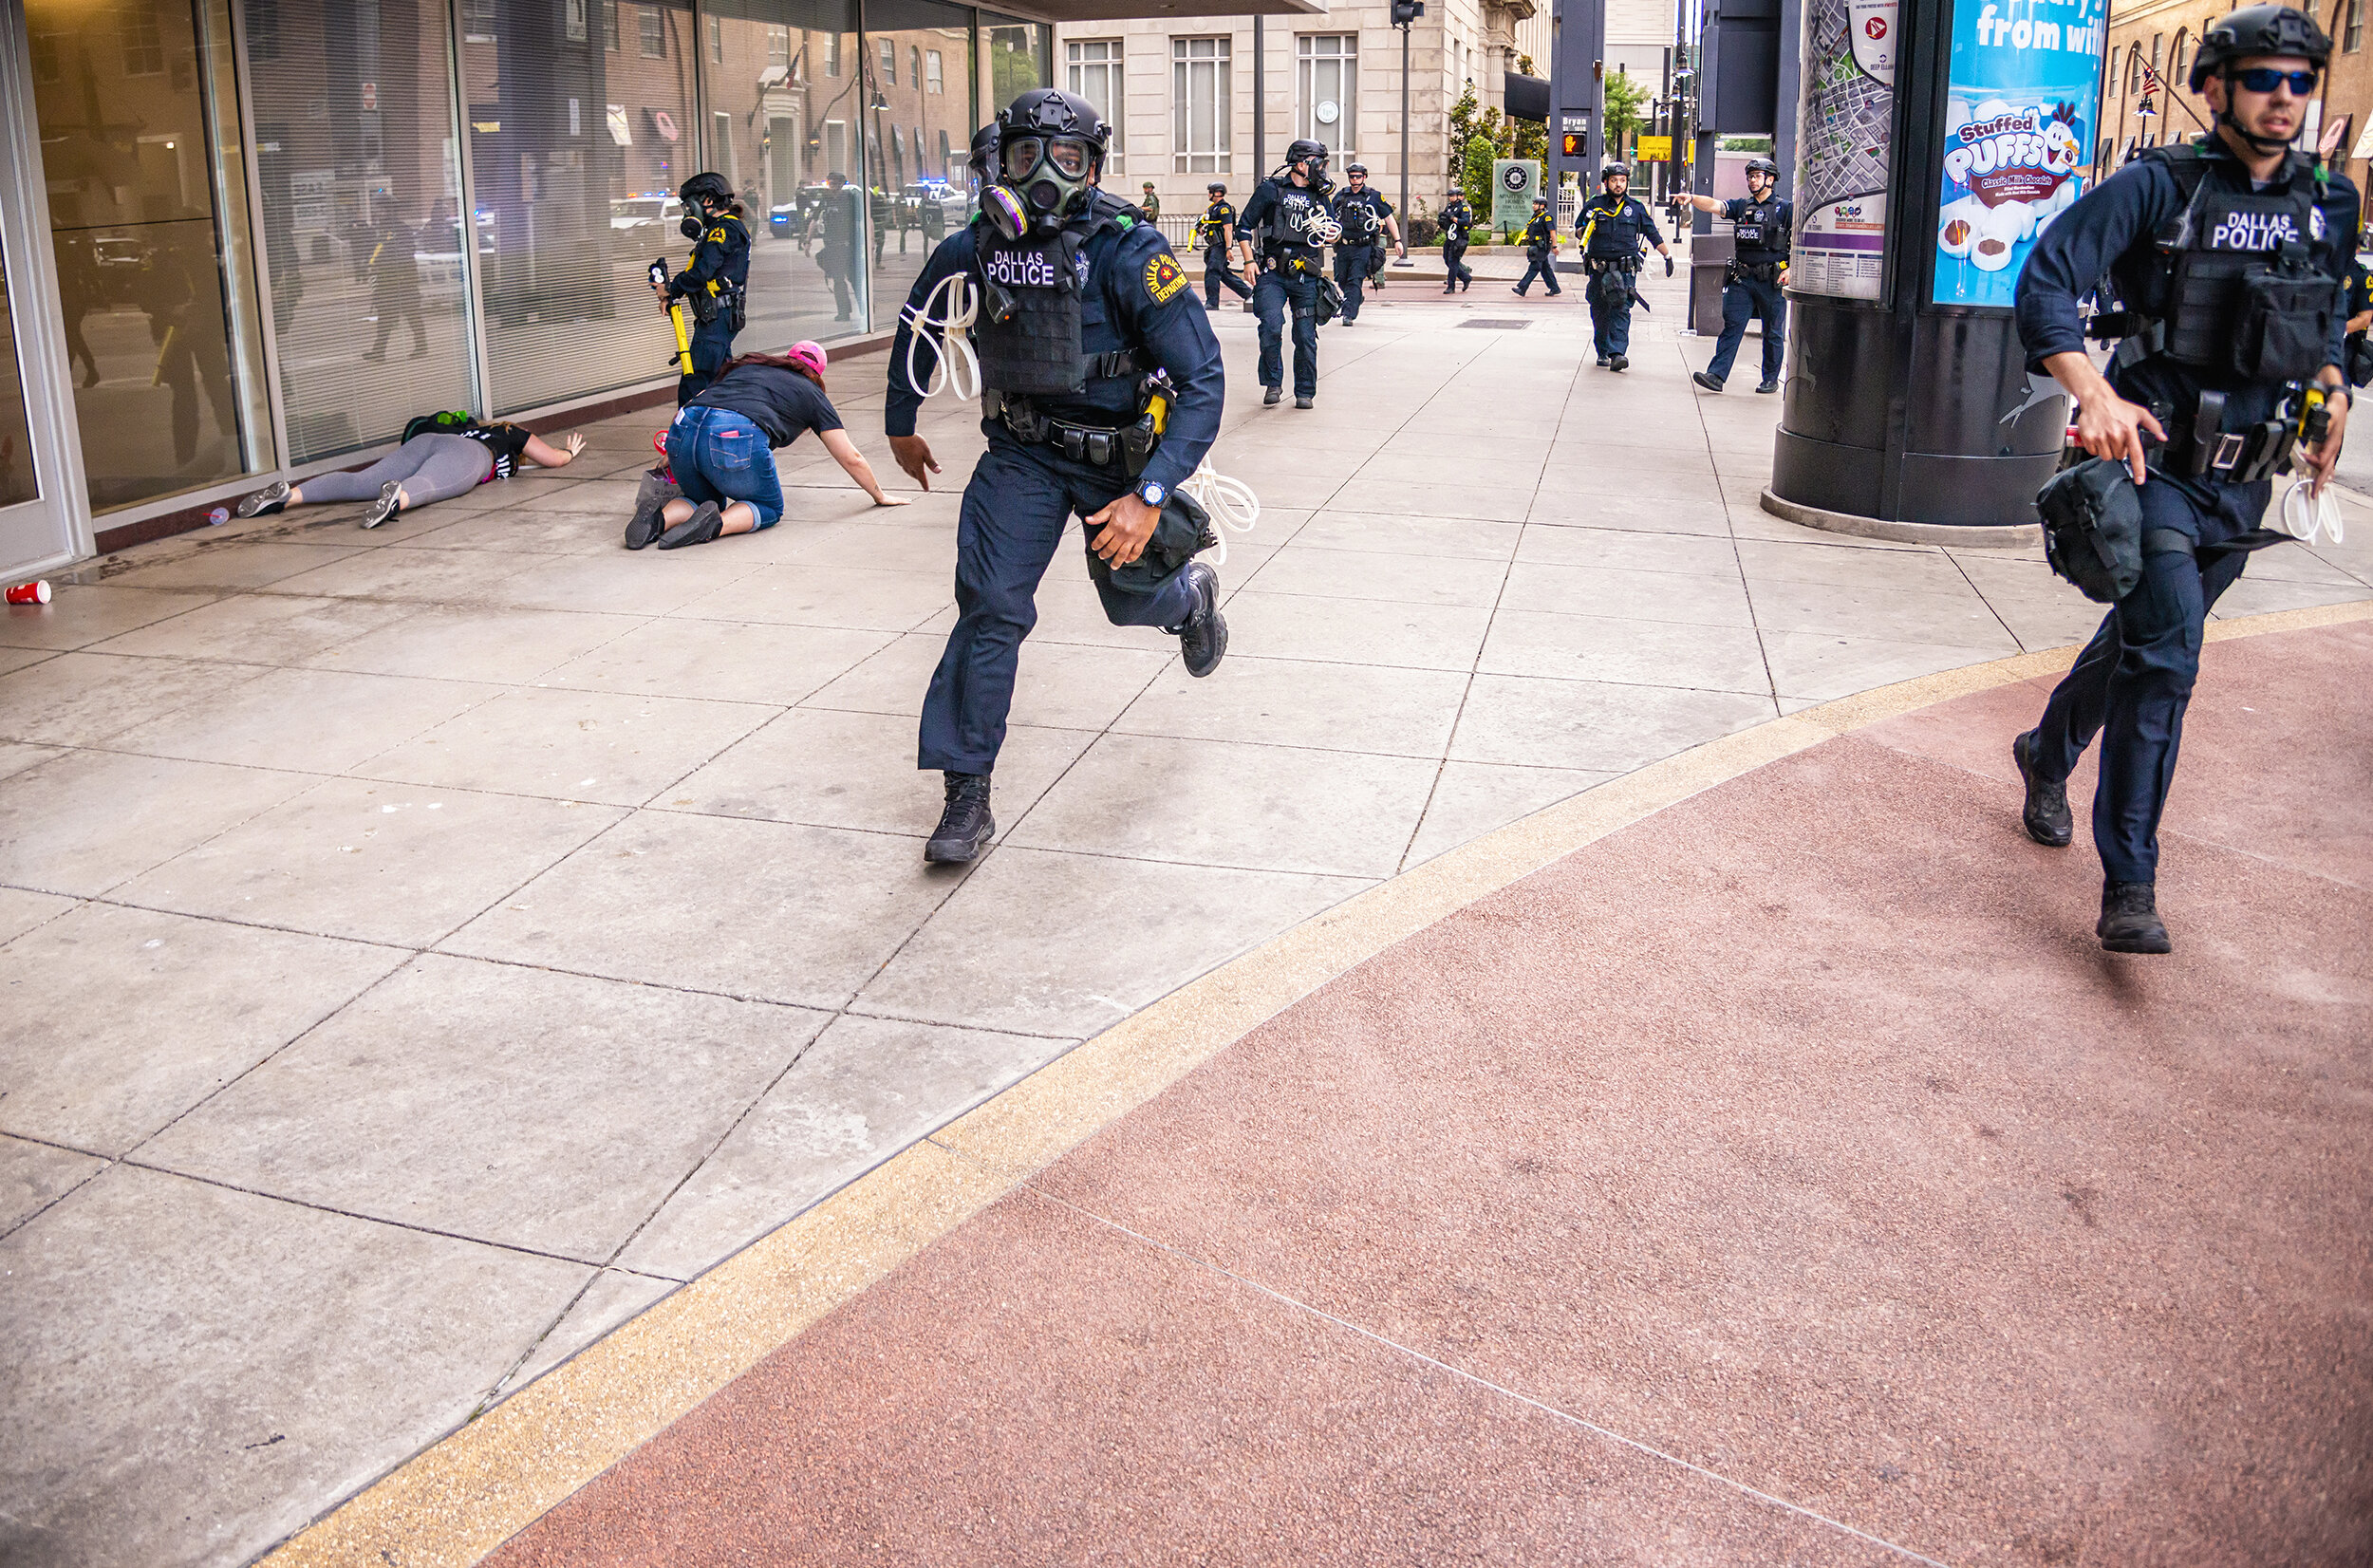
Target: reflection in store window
[(1021, 57), (917, 200), (362, 225), (124, 117), (18, 483)]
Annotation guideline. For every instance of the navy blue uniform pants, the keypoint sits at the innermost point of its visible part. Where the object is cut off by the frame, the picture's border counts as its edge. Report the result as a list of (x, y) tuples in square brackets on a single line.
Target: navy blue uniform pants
[(1610, 315), (712, 346), (1006, 534), (1218, 274), (1544, 267), (2134, 680), (1277, 292), (1350, 276), (1454, 264), (1746, 298)]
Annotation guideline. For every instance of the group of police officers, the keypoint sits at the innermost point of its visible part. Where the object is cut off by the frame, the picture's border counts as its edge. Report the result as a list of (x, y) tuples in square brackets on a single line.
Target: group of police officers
[(1103, 390)]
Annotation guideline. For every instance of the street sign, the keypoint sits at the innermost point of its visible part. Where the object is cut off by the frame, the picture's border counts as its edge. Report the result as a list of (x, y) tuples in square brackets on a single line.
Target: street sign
[(1656, 149), (1514, 183)]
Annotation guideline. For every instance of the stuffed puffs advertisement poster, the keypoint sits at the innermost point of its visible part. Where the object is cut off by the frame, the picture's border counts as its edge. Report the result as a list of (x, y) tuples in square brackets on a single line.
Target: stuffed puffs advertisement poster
[(2019, 127)]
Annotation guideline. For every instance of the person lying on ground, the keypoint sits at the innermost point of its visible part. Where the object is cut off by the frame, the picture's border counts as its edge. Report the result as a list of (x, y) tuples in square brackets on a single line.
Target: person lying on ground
[(424, 470), (721, 450)]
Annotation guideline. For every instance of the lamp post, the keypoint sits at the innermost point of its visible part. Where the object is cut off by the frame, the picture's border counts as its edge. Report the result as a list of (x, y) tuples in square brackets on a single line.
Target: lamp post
[(1405, 12)]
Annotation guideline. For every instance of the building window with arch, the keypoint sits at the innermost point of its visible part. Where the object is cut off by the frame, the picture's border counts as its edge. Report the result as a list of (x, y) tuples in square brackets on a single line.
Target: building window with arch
[(1326, 90), (1201, 105), (932, 78), (1092, 69), (914, 68), (2352, 28)]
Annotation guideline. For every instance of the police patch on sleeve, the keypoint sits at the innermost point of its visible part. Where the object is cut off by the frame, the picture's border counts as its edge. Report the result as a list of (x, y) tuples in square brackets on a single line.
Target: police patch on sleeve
[(1165, 278)]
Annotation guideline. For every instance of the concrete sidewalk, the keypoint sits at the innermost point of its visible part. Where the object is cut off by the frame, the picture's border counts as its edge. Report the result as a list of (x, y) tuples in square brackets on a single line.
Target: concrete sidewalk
[(429, 947), (1786, 1179)]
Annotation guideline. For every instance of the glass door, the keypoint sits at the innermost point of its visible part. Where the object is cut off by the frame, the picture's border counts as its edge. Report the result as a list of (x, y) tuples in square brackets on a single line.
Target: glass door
[(38, 519)]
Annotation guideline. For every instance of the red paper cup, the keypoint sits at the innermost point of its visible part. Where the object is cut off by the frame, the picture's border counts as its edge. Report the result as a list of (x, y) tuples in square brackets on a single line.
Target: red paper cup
[(30, 593)]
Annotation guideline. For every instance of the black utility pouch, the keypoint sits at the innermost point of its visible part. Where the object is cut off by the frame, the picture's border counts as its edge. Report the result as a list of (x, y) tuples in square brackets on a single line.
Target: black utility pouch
[(2093, 528), (1330, 301), (2285, 323), (1184, 532)]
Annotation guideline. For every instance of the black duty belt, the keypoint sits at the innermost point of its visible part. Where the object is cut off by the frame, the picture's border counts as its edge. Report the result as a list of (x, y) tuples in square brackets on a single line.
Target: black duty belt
[(1609, 264), (1099, 444), (1761, 271)]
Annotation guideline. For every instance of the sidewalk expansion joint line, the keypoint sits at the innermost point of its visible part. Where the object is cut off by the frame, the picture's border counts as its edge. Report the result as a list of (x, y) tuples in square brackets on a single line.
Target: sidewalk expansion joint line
[(1482, 1382)]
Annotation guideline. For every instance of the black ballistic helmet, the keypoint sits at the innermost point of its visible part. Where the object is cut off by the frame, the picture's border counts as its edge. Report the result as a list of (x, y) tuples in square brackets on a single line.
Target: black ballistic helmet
[(1613, 169), (708, 187), (983, 153), (1302, 147), (1215, 188), (1052, 112), (1765, 164), (1356, 168), (2256, 30)]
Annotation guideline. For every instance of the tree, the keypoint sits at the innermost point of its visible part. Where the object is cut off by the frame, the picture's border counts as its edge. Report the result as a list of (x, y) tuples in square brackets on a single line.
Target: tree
[(1477, 135), (1627, 103)]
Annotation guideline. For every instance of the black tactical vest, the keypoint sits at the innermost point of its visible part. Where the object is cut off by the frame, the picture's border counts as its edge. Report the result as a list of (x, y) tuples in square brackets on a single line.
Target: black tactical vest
[(1287, 227), (1762, 237), (2232, 288), (1358, 216), (1034, 285)]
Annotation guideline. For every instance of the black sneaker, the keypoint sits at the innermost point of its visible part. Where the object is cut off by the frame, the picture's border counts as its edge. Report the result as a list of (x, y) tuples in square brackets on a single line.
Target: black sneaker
[(707, 522), (1303, 402), (1203, 637), (1705, 381), (1768, 386), (1619, 362), (648, 522), (272, 497), (1602, 362), (386, 507), (2130, 922), (1271, 396), (2046, 813), (1514, 289), (966, 827)]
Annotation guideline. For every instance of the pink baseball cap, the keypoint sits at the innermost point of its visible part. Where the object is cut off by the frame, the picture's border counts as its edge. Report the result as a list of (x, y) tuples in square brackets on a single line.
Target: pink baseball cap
[(808, 354)]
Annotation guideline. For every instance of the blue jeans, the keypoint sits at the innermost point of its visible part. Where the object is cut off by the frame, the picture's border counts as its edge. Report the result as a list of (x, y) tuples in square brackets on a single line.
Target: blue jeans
[(1751, 297), (720, 456), (1275, 293), (2134, 680), (1012, 517)]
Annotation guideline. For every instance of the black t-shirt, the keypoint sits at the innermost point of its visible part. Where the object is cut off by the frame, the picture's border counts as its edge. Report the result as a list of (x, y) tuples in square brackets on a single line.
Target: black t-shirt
[(506, 442), (781, 403)]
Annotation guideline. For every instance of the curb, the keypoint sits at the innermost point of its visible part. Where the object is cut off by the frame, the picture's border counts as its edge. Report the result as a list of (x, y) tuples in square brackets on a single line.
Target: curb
[(458, 1500), (1971, 536)]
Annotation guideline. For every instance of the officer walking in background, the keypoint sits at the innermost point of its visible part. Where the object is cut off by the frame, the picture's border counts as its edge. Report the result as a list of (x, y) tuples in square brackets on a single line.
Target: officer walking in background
[(1750, 283), (1541, 250), (1612, 226), (1366, 220), (2228, 257), (1286, 229), (1102, 391), (1215, 235), (717, 286), (1457, 219)]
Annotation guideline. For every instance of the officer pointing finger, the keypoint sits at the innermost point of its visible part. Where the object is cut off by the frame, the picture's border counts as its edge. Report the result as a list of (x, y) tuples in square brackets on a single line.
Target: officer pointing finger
[(1750, 283)]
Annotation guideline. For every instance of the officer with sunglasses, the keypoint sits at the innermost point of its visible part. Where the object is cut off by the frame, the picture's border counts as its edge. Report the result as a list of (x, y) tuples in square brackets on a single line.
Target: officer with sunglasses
[(2227, 257), (1102, 389)]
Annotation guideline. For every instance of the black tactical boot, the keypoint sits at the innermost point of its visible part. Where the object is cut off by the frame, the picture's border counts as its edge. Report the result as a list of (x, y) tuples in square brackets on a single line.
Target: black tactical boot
[(1271, 396), (1768, 386), (1618, 361), (2045, 814), (2130, 922), (1303, 402), (1705, 381), (648, 522), (965, 825), (1202, 637)]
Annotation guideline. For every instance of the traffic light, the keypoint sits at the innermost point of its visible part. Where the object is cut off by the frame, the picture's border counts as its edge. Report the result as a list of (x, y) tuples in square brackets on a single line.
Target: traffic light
[(1406, 12), (1572, 144)]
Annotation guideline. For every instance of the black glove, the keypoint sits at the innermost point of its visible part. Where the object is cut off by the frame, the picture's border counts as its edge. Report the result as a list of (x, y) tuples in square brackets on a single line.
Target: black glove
[(1668, 267)]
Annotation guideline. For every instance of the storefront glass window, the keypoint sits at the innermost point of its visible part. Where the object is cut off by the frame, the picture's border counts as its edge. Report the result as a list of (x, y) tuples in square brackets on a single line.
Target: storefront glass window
[(919, 195), (17, 479), (576, 153), (127, 99), (360, 185), (783, 122)]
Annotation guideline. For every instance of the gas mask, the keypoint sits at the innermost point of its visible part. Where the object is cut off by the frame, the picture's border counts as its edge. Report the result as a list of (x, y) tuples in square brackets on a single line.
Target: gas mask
[(1045, 180), (693, 226)]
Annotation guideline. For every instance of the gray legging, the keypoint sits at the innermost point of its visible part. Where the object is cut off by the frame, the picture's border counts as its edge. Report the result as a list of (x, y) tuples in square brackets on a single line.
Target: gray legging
[(432, 468)]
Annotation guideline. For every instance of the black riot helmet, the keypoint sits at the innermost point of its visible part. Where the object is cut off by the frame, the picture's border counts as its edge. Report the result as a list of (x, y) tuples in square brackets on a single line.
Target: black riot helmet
[(1050, 148), (1301, 149), (1614, 168), (1215, 188), (1767, 165), (984, 160), (699, 192), (2259, 29)]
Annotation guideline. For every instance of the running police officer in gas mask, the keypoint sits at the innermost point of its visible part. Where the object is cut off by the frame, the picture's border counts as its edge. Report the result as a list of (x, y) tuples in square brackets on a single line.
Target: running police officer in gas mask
[(1215, 235), (1101, 392), (1366, 220), (1611, 227), (1284, 235), (715, 287), (1750, 283), (1457, 219), (2225, 257)]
